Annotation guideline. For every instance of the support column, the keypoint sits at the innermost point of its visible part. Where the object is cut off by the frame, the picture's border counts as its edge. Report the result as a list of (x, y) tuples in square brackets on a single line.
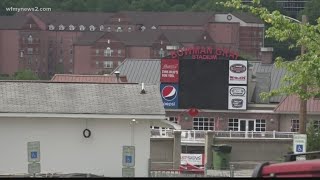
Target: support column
[(176, 149), (208, 149)]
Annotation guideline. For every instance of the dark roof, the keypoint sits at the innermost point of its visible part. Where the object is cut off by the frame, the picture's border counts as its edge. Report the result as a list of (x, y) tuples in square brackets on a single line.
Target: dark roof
[(291, 104), (74, 18), (247, 17), (150, 19), (12, 22), (88, 78), (80, 98), (140, 70)]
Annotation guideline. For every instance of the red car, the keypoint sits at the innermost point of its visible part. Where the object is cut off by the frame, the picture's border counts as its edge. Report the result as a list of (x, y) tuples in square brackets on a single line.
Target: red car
[(306, 168)]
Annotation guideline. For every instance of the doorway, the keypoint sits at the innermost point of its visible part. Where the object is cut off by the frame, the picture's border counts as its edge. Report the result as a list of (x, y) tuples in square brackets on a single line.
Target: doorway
[(247, 124)]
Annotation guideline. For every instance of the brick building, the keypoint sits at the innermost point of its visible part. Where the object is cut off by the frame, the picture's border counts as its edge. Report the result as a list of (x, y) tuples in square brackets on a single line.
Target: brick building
[(91, 43)]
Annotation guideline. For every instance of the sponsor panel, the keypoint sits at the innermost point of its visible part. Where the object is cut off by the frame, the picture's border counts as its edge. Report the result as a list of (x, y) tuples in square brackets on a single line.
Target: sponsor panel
[(238, 72), (169, 94), (194, 159), (169, 71), (237, 97)]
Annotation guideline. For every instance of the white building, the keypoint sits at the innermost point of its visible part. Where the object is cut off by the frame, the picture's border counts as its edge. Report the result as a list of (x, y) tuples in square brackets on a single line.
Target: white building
[(56, 114)]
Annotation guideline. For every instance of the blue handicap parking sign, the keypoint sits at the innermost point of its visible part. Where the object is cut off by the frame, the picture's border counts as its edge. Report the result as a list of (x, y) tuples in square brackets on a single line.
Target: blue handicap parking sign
[(299, 148), (34, 155), (128, 159)]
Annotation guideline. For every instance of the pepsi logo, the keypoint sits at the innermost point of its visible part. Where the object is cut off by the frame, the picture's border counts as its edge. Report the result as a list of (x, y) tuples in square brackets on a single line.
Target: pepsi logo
[(238, 68), (169, 93), (237, 91)]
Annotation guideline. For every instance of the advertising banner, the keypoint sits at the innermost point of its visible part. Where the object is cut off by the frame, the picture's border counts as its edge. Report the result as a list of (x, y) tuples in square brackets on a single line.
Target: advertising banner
[(169, 94), (169, 71), (238, 72), (237, 97), (194, 159)]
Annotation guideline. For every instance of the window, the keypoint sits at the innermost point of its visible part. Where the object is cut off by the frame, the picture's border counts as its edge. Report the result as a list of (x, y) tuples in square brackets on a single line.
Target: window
[(97, 63), (119, 52), (101, 28), (21, 53), (119, 29), (97, 52), (316, 125), (30, 39), (260, 125), (108, 64), (92, 28), (71, 51), (82, 27), (30, 50), (153, 27), (108, 52), (71, 27), (233, 125), (109, 29), (61, 27), (173, 119), (294, 125), (161, 52), (51, 27), (203, 123), (129, 29)]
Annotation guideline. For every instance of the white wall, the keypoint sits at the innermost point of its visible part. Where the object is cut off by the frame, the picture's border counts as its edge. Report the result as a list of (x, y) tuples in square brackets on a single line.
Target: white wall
[(65, 150)]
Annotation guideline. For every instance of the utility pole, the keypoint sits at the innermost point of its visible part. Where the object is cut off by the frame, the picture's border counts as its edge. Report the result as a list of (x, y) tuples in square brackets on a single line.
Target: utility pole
[(303, 103)]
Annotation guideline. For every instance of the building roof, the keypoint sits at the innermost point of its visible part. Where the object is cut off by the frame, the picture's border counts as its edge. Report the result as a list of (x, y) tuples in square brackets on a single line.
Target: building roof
[(149, 19), (74, 18), (276, 76), (247, 17), (88, 78), (140, 70), (291, 104), (12, 22), (79, 98)]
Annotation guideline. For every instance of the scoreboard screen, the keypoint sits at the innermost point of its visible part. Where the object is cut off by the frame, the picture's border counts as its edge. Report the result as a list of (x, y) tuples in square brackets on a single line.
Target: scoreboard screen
[(204, 78)]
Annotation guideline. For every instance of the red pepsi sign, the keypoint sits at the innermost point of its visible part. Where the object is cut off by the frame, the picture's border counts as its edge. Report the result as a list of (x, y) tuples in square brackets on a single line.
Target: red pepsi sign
[(169, 94)]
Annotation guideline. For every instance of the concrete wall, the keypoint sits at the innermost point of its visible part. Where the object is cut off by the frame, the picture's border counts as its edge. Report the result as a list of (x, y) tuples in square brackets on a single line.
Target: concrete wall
[(161, 153), (257, 149), (65, 150)]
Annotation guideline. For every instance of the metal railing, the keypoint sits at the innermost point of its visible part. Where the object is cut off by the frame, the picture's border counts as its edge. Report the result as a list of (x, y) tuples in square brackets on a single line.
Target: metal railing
[(199, 135)]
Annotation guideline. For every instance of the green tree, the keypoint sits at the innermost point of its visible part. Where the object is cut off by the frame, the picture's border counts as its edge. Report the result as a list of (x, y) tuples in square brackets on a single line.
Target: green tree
[(313, 137), (303, 73), (312, 10), (25, 75)]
